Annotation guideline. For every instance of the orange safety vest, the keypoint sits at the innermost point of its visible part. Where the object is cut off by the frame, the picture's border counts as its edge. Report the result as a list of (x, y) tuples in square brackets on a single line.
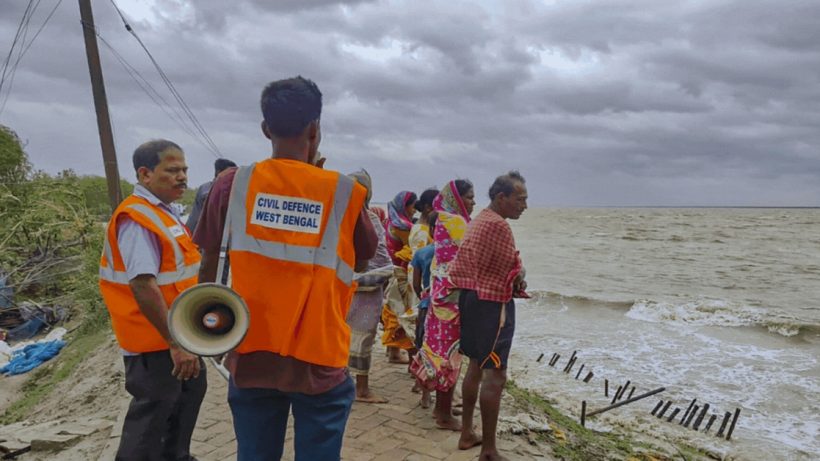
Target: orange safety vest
[(290, 228), (178, 270)]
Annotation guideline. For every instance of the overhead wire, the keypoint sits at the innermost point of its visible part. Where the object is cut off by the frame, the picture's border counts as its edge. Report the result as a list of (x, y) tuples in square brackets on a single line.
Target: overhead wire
[(169, 84), (22, 32), (146, 86), (23, 51), (14, 44)]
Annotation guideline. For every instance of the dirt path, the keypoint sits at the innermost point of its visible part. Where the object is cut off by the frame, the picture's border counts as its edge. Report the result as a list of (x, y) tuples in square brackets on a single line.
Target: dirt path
[(398, 430), (82, 420)]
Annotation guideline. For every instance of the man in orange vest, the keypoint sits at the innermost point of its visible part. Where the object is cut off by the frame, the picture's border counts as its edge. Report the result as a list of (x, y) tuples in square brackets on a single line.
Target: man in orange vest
[(148, 260), (294, 234)]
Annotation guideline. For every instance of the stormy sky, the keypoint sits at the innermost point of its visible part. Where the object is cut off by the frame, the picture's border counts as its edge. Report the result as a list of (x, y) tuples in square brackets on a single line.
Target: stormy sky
[(597, 102)]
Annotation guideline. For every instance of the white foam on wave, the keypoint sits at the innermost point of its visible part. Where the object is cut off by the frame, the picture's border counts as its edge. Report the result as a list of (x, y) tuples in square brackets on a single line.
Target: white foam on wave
[(713, 312), (775, 386)]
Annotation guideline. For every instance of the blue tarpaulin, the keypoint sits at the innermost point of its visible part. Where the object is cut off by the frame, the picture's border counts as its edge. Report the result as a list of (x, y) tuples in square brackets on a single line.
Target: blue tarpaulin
[(32, 356)]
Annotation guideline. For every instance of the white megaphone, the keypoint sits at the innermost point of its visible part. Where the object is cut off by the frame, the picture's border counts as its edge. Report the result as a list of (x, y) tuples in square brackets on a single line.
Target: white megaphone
[(208, 319)]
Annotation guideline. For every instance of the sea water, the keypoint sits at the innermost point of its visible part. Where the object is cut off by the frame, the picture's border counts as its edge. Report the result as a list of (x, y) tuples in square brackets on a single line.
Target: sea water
[(718, 304)]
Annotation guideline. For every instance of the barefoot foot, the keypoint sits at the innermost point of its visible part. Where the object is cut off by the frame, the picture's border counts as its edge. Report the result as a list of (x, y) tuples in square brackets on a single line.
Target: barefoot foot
[(491, 456), (448, 423), (370, 397), (425, 399), (399, 356), (469, 440)]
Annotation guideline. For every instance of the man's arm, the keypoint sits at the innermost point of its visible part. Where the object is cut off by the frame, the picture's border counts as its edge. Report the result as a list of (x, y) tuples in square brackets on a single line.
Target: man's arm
[(417, 280), (365, 241), (140, 251), (152, 305), (208, 234)]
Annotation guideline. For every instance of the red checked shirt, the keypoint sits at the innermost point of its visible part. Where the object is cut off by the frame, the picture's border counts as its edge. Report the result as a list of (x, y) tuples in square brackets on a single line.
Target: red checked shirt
[(487, 261)]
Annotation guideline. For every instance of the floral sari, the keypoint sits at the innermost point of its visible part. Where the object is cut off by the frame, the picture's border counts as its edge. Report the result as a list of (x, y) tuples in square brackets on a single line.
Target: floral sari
[(438, 363), (398, 315)]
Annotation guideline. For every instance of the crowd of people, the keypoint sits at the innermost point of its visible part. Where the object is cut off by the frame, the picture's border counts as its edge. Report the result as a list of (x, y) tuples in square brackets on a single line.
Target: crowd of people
[(319, 269)]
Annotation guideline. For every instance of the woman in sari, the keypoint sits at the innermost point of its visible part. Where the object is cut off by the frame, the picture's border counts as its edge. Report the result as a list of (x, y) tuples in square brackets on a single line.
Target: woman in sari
[(365, 309), (438, 363), (420, 235), (398, 315)]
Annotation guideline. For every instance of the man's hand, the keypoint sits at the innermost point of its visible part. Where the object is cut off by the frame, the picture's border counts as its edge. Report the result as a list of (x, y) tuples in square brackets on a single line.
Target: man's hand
[(186, 365), (519, 284)]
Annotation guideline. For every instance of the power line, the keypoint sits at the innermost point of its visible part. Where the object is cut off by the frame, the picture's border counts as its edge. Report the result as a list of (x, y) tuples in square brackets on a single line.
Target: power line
[(152, 93), (43, 25), (20, 51), (23, 46), (14, 44), (185, 108)]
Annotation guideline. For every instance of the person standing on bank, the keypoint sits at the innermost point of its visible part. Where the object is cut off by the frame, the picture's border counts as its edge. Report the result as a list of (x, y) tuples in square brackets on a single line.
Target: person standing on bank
[(366, 308), (148, 260), (438, 363), (294, 234), (489, 273), (220, 165)]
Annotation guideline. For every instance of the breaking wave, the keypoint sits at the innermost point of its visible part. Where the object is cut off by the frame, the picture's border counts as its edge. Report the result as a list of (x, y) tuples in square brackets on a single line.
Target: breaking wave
[(699, 312)]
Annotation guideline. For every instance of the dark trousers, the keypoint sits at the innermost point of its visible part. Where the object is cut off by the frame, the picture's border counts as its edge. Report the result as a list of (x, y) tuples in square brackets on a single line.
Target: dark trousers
[(163, 410), (260, 420)]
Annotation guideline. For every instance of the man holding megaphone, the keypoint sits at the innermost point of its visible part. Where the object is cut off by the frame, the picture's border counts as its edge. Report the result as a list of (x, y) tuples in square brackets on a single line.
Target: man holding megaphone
[(294, 234), (148, 260)]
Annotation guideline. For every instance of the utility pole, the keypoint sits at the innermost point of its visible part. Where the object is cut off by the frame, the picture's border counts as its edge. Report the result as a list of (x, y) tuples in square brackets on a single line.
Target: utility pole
[(112, 174)]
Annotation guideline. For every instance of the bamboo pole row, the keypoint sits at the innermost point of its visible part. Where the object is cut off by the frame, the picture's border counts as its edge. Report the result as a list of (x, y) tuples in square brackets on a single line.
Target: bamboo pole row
[(694, 414)]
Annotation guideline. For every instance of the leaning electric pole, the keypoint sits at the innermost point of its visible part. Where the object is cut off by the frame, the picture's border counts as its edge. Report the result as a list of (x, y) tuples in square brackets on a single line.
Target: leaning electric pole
[(112, 174)]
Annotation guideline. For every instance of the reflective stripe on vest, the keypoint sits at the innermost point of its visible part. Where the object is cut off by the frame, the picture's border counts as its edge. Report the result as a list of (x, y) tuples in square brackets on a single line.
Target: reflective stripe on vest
[(325, 255), (183, 272)]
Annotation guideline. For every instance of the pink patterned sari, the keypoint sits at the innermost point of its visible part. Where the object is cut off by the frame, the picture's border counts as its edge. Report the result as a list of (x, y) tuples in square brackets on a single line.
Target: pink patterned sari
[(438, 362)]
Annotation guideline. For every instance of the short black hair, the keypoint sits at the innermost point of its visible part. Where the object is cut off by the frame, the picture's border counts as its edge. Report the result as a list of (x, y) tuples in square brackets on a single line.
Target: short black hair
[(147, 154), (463, 186), (290, 105), (505, 184), (426, 198), (222, 164)]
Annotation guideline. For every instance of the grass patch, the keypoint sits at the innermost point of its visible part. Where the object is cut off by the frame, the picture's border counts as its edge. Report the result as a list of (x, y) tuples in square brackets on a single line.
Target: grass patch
[(570, 441), (46, 377)]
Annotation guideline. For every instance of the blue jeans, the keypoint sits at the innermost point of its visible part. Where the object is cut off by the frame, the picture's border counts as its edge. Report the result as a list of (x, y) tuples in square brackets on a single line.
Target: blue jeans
[(260, 420)]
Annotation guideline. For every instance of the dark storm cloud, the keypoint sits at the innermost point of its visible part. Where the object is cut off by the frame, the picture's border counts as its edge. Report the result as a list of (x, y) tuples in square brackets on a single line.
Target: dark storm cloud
[(598, 102)]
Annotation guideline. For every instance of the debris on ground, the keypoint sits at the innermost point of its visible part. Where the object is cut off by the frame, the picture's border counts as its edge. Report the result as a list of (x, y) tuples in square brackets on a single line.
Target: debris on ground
[(29, 355)]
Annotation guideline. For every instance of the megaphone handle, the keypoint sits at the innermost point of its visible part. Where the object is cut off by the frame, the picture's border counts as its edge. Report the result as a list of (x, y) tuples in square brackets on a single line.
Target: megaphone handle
[(221, 368)]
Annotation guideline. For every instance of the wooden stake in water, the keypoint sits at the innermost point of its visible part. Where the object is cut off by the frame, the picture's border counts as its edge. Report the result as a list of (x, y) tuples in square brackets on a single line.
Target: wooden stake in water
[(657, 407), (700, 416), (623, 390), (555, 360), (672, 416), (589, 376), (709, 424), (688, 410), (726, 417), (583, 413), (540, 357), (732, 426), (569, 366), (631, 392), (624, 402), (666, 407), (691, 416), (579, 371), (606, 388), (617, 393)]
